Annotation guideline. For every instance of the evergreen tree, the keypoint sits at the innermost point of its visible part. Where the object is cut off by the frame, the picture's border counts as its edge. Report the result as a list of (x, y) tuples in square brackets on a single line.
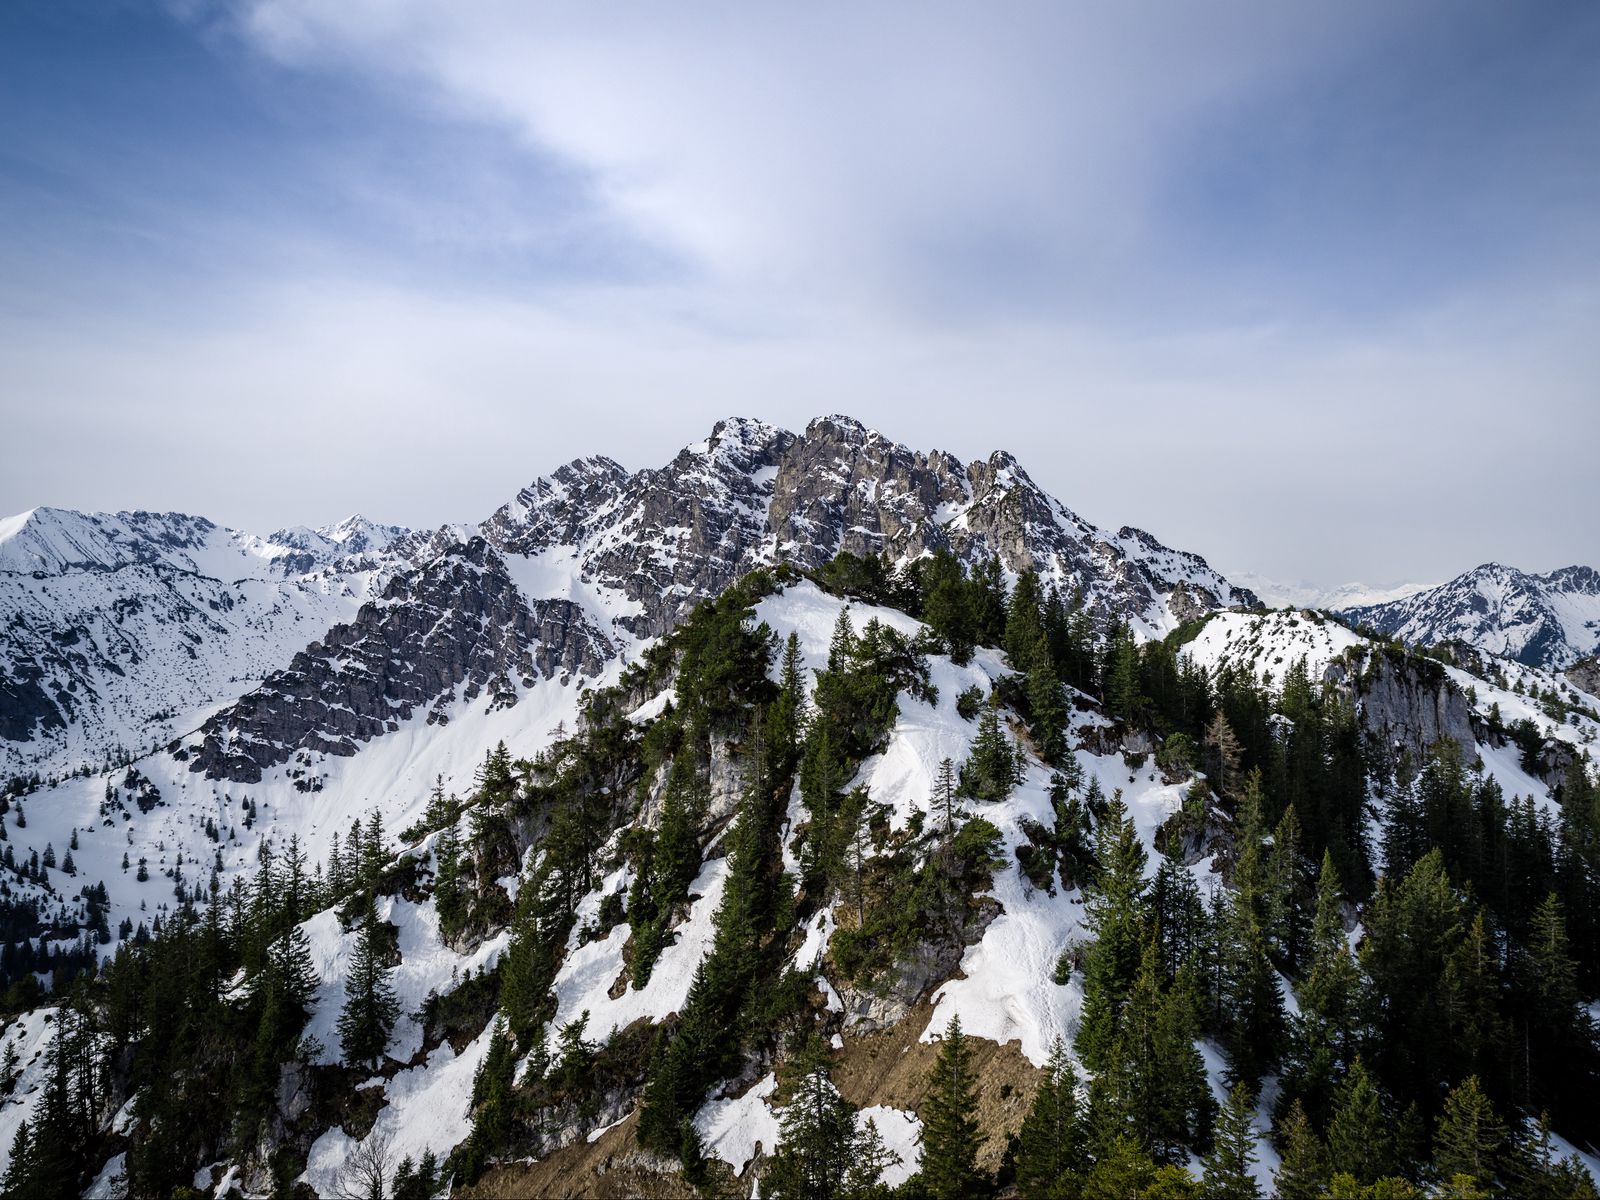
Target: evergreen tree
[(370, 1008), (1287, 901), (1052, 1147), (990, 773), (944, 797), (1115, 910), (1359, 1137), (1048, 705), (817, 1133), (1469, 1136), (950, 1129), (1250, 1003), (1303, 1160), (1228, 1175)]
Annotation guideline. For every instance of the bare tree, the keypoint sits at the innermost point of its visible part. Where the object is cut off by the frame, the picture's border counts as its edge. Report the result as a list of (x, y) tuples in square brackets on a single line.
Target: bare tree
[(366, 1173)]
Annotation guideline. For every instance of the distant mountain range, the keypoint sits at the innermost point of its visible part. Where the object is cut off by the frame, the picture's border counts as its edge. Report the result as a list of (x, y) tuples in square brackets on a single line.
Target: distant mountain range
[(1550, 620)]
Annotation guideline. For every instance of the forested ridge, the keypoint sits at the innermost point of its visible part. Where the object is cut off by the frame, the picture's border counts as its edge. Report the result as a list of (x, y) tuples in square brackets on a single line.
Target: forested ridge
[(1394, 960)]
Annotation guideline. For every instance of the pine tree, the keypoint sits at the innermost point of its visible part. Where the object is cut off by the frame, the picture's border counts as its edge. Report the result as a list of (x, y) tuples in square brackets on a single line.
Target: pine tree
[(370, 1009), (1051, 1147), (1469, 1136), (1228, 1175), (950, 1129)]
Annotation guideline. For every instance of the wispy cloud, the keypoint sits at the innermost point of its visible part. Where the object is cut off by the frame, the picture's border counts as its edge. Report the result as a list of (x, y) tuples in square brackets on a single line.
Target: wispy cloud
[(1308, 289)]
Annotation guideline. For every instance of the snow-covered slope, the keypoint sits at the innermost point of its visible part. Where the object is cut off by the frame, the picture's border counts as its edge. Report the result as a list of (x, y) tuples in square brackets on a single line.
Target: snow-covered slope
[(1547, 620), (119, 631)]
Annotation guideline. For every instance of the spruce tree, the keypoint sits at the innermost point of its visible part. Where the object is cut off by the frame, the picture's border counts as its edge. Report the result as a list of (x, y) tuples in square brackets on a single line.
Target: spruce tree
[(950, 1129), (1115, 910), (1359, 1136), (1303, 1160), (816, 1137), (370, 1009), (990, 773)]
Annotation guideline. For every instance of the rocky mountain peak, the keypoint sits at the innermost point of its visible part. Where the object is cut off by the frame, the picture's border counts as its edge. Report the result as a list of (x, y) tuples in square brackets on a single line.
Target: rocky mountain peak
[(1547, 620)]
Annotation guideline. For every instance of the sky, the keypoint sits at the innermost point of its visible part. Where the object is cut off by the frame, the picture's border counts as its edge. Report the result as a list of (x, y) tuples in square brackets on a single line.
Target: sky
[(1312, 290)]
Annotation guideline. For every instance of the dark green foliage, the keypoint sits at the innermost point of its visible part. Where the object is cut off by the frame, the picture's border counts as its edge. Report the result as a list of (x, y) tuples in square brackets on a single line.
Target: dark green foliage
[(370, 1008), (1469, 1138), (1052, 1147), (1303, 1160), (950, 1138), (1227, 1167), (1116, 917), (820, 1153), (1361, 1132), (992, 770)]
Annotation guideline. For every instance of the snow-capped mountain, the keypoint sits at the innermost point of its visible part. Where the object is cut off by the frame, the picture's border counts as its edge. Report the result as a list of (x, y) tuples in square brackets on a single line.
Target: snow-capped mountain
[(1549, 620), (303, 683), (118, 630), (124, 631)]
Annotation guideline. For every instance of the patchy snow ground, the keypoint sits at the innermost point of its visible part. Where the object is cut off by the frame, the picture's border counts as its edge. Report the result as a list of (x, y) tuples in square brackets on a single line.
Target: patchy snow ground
[(734, 1128), (31, 1035), (426, 965), (426, 1109), (586, 976)]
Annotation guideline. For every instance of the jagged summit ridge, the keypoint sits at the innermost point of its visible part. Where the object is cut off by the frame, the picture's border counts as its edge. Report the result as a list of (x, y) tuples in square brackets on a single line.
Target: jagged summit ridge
[(103, 646)]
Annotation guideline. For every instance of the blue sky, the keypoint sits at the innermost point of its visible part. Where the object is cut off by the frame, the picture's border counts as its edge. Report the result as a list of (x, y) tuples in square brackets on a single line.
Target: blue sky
[(1312, 290)]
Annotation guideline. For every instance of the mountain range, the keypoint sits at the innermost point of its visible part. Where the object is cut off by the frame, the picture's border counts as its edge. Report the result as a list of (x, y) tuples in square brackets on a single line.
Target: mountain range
[(470, 759), (123, 631)]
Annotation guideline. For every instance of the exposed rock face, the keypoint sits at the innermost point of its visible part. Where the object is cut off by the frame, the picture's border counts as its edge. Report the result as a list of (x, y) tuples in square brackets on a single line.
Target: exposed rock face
[(1541, 620), (1412, 704), (458, 622), (752, 495), (573, 571), (1585, 675)]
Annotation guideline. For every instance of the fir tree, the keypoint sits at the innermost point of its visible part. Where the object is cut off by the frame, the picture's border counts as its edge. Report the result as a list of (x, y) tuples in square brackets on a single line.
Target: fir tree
[(1051, 1147), (1116, 917), (816, 1137), (990, 772), (1303, 1167), (1469, 1136), (1359, 1135), (944, 797)]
